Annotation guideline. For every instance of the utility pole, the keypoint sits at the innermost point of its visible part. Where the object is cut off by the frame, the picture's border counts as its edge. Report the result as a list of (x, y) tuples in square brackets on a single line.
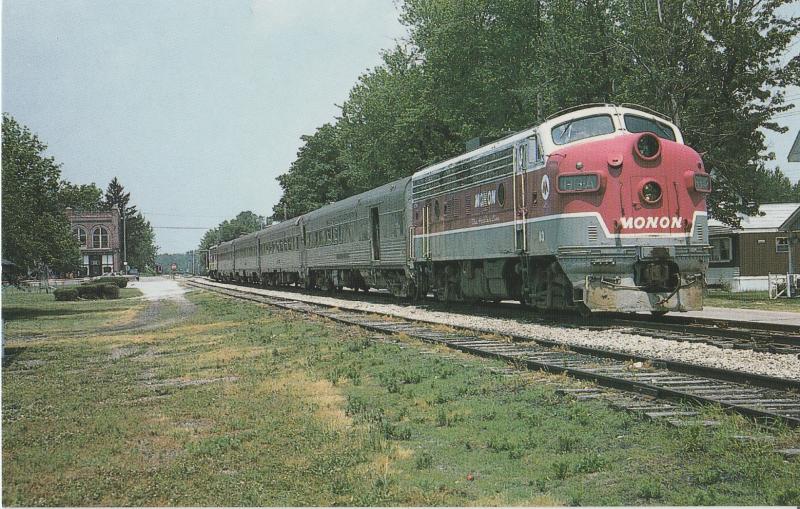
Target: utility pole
[(125, 244), (124, 239)]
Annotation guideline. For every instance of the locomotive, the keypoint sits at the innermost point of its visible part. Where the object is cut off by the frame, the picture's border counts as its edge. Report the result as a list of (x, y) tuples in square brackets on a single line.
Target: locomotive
[(599, 208)]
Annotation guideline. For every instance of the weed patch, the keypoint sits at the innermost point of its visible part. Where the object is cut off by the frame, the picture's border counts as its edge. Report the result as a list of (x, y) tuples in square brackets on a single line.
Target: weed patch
[(245, 405)]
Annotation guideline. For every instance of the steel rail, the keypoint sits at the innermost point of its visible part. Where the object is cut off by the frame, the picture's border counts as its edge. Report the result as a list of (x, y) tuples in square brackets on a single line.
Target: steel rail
[(737, 334), (753, 396)]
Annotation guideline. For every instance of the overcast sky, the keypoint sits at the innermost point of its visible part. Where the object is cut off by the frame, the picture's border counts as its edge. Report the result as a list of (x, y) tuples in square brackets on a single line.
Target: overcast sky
[(196, 105)]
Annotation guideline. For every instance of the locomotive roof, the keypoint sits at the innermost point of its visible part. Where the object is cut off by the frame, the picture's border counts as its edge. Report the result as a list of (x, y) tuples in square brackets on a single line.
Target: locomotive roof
[(545, 127), (486, 149)]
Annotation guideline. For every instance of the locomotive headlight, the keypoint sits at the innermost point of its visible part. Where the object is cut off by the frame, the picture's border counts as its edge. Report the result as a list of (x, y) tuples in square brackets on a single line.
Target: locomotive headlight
[(578, 183), (648, 147), (702, 183), (651, 192)]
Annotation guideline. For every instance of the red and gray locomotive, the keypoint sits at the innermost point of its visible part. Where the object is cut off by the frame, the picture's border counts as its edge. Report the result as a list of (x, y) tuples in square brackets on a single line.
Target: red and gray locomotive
[(599, 208)]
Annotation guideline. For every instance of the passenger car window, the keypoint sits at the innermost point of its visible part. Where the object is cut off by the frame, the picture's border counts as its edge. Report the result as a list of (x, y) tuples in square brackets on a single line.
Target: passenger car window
[(636, 124), (582, 128)]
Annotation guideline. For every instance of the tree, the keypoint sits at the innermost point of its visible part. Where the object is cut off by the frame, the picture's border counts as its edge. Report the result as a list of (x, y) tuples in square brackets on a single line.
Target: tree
[(136, 233), (142, 248), (116, 197), (389, 127), (36, 232), (315, 178), (773, 186), (86, 197), (245, 222), (487, 67)]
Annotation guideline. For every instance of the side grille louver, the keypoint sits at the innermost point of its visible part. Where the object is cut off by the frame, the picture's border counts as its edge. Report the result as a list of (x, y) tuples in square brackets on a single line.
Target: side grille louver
[(592, 233)]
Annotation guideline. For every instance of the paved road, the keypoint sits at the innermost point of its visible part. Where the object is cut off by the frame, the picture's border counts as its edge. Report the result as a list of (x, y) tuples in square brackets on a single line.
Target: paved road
[(159, 288), (750, 315)]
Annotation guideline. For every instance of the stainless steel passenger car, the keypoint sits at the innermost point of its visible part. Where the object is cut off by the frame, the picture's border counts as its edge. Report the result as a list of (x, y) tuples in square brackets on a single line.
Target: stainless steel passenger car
[(280, 249), (224, 262), (246, 266), (360, 242)]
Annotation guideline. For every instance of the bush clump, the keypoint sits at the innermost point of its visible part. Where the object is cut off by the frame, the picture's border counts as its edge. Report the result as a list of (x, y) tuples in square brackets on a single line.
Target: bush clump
[(110, 291), (98, 291), (66, 294), (121, 282), (90, 291)]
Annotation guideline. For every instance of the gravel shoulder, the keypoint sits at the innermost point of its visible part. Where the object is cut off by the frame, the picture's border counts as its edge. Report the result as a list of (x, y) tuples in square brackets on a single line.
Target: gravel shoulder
[(762, 363)]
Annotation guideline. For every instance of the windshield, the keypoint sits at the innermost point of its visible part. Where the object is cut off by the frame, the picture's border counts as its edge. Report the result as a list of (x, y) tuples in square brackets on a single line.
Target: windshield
[(582, 128), (635, 124)]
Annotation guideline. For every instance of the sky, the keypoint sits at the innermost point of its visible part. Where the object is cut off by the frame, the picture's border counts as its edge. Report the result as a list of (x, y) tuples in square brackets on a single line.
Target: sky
[(198, 105)]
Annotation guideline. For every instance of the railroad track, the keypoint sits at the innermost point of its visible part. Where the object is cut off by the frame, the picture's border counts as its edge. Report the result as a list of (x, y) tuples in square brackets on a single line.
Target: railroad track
[(733, 334), (666, 384), (756, 336)]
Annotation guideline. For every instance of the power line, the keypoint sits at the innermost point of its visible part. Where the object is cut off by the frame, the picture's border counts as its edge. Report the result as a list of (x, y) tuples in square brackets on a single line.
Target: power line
[(784, 115), (183, 227), (180, 215)]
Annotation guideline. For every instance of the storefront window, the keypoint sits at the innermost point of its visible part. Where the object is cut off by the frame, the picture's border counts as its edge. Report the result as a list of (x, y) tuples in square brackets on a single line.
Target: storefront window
[(108, 263)]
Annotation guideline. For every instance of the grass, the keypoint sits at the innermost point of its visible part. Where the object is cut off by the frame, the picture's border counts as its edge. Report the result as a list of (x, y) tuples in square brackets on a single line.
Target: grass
[(243, 405), (40, 314), (750, 300)]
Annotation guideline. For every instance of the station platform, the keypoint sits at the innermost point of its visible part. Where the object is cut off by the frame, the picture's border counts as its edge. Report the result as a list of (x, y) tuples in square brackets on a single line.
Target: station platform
[(750, 315)]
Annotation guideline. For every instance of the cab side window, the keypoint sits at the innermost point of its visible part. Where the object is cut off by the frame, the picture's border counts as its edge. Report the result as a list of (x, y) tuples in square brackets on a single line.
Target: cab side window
[(535, 155)]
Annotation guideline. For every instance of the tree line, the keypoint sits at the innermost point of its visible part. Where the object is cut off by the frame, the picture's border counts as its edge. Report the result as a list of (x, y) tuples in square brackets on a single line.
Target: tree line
[(489, 67), (36, 233), (245, 222)]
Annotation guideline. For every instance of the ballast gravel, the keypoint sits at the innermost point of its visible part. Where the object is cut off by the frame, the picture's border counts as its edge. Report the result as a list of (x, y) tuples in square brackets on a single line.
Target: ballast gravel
[(762, 363)]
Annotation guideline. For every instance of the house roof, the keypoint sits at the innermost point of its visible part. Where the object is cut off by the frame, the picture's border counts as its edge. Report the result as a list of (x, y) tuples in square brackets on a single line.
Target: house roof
[(775, 215), (794, 152), (792, 223)]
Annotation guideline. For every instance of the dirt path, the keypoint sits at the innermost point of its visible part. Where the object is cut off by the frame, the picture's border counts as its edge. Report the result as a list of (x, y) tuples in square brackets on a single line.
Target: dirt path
[(163, 296), (158, 291)]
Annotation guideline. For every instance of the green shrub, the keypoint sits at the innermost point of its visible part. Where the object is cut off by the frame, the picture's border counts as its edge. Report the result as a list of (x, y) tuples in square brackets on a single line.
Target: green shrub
[(66, 294), (98, 291), (90, 291), (121, 282), (110, 291)]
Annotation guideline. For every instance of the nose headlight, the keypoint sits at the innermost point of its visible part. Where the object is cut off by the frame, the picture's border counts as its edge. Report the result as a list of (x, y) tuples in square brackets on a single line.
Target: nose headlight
[(648, 147), (651, 192)]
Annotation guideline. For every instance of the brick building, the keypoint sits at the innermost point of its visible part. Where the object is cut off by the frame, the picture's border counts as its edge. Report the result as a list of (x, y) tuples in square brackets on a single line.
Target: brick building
[(98, 234)]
